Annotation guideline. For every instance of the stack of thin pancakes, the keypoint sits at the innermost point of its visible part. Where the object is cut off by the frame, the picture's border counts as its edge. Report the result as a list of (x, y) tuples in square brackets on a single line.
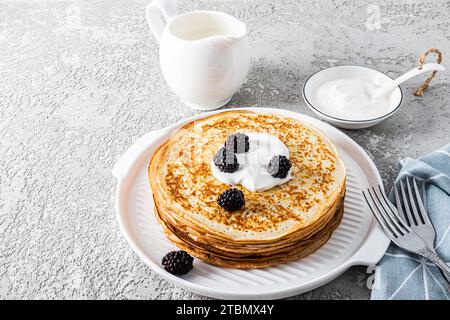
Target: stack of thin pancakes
[(281, 224)]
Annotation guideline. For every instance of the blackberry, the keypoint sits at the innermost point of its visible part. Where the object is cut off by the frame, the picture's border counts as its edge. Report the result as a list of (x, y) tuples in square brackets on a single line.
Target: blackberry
[(177, 262), (231, 199), (226, 161), (238, 143), (279, 166)]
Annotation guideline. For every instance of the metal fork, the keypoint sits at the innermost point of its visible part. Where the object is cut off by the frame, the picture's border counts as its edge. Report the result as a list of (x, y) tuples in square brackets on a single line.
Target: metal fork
[(397, 230), (414, 215), (411, 208)]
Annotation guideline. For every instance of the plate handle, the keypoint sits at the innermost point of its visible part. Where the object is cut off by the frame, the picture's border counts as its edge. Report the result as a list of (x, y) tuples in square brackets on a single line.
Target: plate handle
[(127, 160), (371, 252)]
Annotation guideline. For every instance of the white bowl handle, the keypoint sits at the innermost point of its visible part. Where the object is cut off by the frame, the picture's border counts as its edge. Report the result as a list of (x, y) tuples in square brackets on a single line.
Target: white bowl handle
[(134, 153), (164, 7)]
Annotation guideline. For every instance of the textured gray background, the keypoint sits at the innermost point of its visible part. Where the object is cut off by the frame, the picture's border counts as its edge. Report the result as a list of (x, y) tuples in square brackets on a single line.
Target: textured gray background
[(80, 81)]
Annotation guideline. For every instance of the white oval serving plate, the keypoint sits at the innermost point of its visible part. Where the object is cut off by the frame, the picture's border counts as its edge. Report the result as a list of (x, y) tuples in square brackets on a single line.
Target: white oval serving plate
[(357, 241)]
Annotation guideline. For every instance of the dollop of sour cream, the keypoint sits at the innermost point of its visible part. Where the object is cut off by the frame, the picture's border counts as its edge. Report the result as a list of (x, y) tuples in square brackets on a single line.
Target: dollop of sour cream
[(351, 99), (252, 173)]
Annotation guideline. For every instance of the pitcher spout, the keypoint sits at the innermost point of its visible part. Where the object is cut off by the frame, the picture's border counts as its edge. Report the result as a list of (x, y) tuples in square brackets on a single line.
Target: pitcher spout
[(239, 33)]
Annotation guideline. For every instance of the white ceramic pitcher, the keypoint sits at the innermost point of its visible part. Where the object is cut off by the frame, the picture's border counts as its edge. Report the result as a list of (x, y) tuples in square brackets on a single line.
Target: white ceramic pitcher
[(204, 55)]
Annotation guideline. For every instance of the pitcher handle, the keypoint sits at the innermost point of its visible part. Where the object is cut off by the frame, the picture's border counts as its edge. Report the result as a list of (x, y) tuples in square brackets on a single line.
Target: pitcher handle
[(164, 7)]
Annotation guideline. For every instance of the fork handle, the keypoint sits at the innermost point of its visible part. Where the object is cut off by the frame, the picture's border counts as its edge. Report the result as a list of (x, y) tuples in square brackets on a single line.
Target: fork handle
[(447, 278), (443, 266), (430, 254)]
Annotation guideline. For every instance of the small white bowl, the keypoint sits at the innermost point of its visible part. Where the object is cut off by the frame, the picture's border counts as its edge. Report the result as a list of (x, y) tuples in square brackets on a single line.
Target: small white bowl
[(350, 72)]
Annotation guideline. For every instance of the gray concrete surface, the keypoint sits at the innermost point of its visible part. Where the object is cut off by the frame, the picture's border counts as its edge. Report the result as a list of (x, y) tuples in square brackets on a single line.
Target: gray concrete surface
[(80, 81)]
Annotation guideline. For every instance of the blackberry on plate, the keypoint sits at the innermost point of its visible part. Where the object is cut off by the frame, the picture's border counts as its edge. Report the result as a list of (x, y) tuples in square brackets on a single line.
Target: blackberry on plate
[(177, 262), (226, 161), (231, 199), (238, 143), (279, 166)]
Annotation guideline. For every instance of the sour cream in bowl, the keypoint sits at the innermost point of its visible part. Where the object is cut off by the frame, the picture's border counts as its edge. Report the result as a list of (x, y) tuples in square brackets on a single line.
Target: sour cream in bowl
[(343, 96)]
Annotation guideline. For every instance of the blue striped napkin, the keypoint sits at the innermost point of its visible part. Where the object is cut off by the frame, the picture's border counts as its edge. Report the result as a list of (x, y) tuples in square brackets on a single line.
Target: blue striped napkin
[(402, 275)]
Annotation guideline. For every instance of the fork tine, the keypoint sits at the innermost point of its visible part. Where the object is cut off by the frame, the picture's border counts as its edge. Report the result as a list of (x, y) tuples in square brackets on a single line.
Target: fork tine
[(393, 209), (422, 210), (391, 214), (423, 199), (399, 206), (406, 204), (413, 203), (378, 217), (383, 213)]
